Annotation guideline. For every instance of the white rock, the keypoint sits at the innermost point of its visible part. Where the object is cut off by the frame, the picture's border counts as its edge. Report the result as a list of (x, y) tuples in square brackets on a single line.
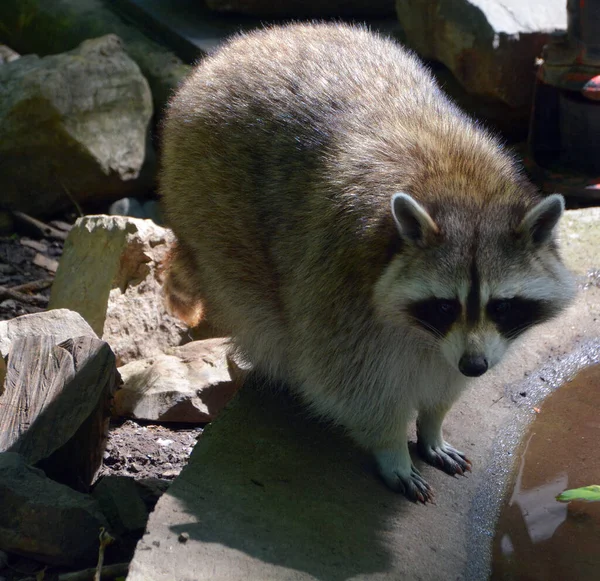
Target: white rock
[(191, 383), (109, 273)]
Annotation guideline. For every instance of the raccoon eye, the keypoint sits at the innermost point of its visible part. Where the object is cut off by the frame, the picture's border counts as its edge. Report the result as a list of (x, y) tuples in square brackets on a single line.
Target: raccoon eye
[(435, 315), (446, 307), (500, 307), (514, 316)]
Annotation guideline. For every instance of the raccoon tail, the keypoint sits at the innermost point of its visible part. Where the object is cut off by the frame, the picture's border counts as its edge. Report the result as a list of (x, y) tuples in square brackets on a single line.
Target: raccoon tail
[(180, 291)]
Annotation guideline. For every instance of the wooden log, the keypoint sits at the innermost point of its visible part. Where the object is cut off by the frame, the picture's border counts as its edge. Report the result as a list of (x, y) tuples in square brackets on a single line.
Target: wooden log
[(33, 286), (55, 406), (35, 300)]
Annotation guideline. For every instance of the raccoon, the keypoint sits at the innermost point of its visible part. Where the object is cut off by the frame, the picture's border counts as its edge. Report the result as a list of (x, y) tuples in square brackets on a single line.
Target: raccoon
[(360, 238)]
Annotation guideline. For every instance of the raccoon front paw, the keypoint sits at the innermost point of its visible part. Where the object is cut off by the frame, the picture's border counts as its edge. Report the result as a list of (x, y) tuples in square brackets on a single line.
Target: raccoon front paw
[(412, 485), (445, 457), (406, 480)]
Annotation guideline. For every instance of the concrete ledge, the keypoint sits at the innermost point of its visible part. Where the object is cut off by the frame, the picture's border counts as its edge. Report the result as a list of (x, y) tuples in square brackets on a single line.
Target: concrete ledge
[(271, 494)]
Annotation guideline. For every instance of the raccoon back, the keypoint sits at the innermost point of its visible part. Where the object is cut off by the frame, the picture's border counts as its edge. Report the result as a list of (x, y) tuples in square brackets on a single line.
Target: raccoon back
[(281, 152)]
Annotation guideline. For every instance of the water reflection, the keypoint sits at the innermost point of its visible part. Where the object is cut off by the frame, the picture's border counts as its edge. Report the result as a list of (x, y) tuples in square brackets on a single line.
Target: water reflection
[(539, 538), (541, 513)]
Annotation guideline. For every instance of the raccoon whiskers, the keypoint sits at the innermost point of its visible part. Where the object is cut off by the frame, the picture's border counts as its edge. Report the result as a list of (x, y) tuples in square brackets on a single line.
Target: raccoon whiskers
[(427, 344), (514, 333), (420, 323)]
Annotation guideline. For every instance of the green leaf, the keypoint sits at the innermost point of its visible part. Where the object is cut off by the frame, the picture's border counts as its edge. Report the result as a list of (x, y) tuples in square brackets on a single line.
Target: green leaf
[(589, 493)]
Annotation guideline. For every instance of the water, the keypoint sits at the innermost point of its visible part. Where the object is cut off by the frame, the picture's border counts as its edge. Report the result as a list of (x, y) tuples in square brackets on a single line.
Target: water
[(539, 538)]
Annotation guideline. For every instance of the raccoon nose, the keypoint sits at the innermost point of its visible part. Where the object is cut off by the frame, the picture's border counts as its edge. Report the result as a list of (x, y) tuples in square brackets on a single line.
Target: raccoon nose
[(473, 365)]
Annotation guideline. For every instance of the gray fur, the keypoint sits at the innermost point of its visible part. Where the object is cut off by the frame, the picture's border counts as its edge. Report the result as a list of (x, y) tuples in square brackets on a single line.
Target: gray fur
[(283, 153)]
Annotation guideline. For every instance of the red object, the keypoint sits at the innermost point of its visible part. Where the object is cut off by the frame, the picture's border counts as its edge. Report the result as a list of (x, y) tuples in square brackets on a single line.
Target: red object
[(591, 89)]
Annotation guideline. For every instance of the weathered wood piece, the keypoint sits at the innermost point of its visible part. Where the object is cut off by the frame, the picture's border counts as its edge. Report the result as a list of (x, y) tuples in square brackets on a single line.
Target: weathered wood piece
[(108, 572), (55, 406), (49, 264), (33, 286), (59, 323)]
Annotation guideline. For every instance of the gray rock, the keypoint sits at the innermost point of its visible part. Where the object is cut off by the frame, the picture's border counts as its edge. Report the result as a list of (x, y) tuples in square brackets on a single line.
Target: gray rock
[(46, 520), (152, 211), (133, 208), (109, 273), (127, 207), (489, 45), (73, 127), (579, 229), (150, 490), (61, 25), (120, 501), (271, 494), (188, 384)]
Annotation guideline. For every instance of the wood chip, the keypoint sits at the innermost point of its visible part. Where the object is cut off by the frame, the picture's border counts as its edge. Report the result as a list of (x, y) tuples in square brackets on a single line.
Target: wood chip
[(35, 300), (49, 264), (39, 246), (60, 225), (33, 286)]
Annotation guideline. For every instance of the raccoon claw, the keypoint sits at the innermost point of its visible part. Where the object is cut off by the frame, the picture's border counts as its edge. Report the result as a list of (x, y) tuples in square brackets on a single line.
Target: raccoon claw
[(446, 458), (413, 486)]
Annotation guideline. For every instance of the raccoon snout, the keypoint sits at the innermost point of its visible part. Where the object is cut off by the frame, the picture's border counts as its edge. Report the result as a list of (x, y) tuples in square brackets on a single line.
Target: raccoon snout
[(473, 365)]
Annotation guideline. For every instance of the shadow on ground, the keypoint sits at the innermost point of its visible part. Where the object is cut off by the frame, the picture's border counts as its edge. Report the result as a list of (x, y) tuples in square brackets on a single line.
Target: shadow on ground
[(306, 499)]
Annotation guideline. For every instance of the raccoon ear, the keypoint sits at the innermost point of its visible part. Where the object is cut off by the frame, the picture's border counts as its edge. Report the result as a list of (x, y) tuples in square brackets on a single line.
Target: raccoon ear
[(539, 223), (414, 223)]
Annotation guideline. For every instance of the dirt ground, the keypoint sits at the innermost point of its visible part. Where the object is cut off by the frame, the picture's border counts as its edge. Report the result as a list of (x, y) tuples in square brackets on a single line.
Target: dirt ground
[(147, 450), (17, 268)]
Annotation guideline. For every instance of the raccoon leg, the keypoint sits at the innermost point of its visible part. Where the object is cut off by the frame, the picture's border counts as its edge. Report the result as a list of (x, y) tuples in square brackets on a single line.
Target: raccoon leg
[(433, 448), (398, 472), (384, 434)]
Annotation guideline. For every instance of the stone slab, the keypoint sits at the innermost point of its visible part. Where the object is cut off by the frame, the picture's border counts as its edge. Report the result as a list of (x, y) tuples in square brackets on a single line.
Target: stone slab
[(45, 520), (270, 494), (62, 324)]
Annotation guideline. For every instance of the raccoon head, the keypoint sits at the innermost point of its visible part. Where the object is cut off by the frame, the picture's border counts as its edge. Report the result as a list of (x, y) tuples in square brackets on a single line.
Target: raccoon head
[(472, 280)]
